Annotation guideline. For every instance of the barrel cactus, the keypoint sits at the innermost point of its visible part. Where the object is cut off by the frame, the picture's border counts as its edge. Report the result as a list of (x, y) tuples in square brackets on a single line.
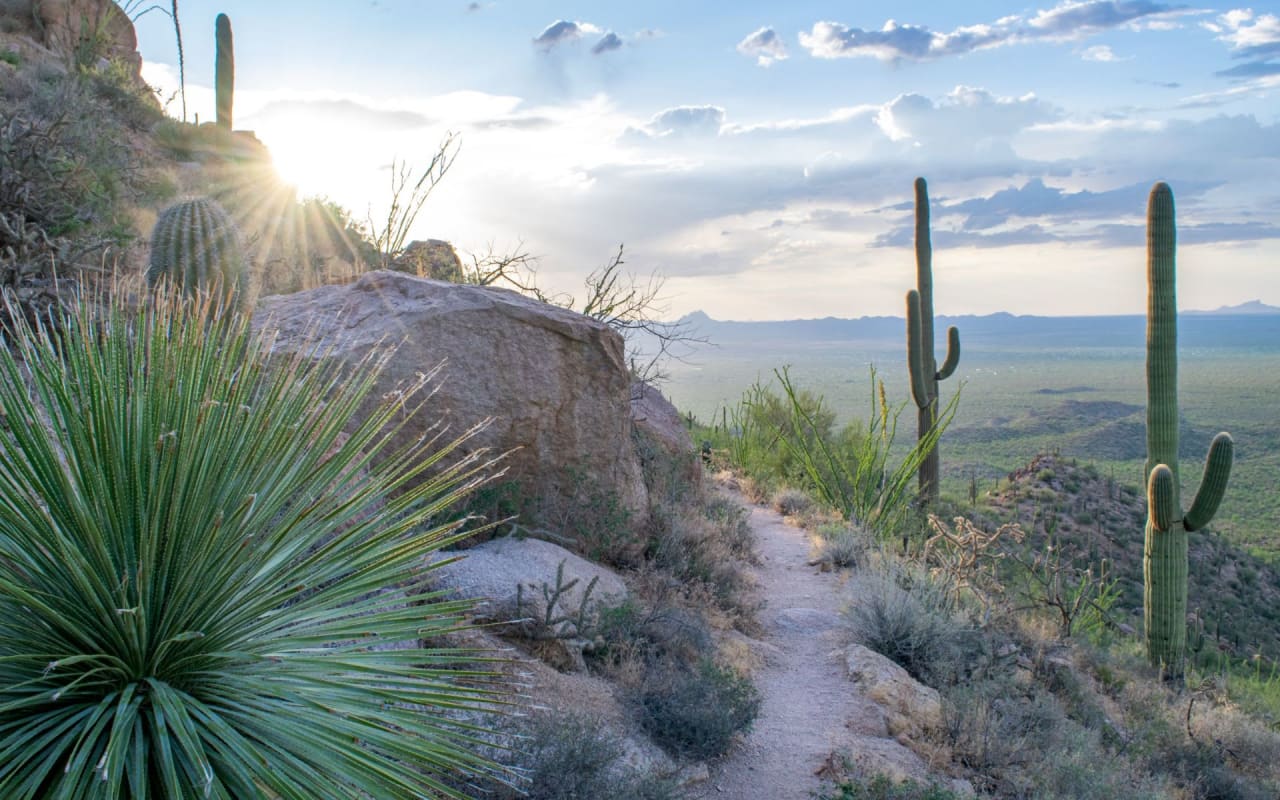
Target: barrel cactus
[(224, 71), (925, 373), (1164, 563), (196, 246)]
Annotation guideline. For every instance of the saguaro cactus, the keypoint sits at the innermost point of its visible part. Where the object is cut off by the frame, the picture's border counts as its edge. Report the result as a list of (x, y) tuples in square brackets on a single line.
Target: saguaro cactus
[(197, 246), (925, 372), (1164, 563), (224, 71)]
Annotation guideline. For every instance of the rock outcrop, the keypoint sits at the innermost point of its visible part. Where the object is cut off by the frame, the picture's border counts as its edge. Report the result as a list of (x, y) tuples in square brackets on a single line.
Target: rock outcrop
[(910, 707), (554, 382), (83, 29), (499, 571), (543, 597)]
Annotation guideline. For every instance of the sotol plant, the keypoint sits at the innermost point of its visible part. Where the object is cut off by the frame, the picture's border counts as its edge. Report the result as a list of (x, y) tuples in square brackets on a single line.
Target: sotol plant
[(196, 246), (1165, 554), (224, 72), (925, 373), (207, 572)]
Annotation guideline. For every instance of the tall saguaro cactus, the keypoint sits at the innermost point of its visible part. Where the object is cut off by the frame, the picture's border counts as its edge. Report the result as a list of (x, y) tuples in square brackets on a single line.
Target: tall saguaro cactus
[(224, 71), (1164, 563), (925, 373)]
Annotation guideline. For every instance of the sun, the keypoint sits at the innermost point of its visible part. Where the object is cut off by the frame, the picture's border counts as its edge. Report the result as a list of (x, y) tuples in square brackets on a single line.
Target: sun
[(304, 156)]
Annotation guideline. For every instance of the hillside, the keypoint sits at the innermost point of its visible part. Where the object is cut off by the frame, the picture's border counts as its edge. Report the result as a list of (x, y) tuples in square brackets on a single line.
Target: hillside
[(1233, 595)]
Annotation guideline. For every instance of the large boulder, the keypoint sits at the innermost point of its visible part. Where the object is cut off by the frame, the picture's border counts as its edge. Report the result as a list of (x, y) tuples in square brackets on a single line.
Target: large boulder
[(554, 382)]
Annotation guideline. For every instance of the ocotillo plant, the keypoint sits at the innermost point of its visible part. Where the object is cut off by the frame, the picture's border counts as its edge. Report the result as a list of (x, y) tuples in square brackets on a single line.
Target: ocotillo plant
[(1164, 563), (224, 71), (925, 373), (196, 246)]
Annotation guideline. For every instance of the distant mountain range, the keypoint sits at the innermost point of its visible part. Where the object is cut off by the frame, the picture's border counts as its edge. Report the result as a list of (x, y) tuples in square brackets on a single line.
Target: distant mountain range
[(1251, 307), (1252, 324)]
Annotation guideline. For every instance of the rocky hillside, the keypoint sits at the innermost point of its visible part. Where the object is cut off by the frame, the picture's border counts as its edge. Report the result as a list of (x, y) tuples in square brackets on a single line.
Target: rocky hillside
[(1233, 597)]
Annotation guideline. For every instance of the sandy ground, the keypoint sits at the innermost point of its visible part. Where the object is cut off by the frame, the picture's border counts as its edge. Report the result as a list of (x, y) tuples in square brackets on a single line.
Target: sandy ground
[(809, 707)]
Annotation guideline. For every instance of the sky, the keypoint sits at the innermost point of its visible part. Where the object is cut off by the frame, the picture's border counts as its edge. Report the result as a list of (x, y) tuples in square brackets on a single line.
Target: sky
[(760, 155)]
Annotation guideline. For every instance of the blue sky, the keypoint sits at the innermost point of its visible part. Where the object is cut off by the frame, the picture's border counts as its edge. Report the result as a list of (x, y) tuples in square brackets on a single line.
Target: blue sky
[(761, 155)]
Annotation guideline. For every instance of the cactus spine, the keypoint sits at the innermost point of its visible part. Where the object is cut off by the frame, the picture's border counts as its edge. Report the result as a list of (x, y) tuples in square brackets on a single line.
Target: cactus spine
[(224, 71), (1164, 562), (196, 246), (925, 373)]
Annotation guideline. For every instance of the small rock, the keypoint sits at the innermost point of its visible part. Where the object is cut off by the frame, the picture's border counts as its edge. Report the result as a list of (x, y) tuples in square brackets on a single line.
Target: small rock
[(693, 774)]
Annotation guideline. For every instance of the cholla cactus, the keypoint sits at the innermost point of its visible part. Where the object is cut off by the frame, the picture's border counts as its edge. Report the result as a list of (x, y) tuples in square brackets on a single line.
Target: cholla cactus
[(925, 373), (1164, 562), (196, 246)]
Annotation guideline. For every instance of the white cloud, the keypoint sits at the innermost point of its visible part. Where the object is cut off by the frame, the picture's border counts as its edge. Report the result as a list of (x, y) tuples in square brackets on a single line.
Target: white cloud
[(765, 46), (897, 42), (562, 31), (1102, 53)]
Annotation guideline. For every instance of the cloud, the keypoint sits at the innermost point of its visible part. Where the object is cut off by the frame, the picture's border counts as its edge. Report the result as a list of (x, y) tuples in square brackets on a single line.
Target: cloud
[(969, 120), (1102, 53), (765, 46), (608, 43), (898, 42), (561, 32), (680, 122), (1253, 39), (1036, 213)]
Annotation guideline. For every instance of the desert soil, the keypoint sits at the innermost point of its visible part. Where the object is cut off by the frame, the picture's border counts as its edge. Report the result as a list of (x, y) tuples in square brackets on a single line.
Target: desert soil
[(809, 707)]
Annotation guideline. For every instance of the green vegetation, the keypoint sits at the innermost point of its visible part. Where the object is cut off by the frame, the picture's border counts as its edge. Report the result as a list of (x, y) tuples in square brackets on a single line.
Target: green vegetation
[(921, 363), (224, 81), (697, 712), (788, 438), (202, 567), (1165, 560), (69, 172), (573, 756)]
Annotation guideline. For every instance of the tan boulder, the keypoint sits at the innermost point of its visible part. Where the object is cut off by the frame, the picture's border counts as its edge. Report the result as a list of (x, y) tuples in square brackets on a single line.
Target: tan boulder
[(910, 707), (554, 382)]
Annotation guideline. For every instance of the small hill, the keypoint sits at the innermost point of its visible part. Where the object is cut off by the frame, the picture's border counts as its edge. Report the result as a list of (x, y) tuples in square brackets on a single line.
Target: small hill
[(1233, 598)]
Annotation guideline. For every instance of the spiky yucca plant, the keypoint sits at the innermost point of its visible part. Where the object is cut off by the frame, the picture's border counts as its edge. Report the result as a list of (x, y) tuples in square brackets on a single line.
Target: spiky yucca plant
[(200, 560)]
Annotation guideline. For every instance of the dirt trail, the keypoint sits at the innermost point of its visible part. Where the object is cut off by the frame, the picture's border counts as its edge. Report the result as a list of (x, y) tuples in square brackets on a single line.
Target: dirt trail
[(808, 702)]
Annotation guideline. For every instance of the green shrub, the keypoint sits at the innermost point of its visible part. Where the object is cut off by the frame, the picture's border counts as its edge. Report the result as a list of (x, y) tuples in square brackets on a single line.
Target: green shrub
[(791, 502), (574, 756), (841, 546), (201, 569), (910, 620), (696, 712)]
